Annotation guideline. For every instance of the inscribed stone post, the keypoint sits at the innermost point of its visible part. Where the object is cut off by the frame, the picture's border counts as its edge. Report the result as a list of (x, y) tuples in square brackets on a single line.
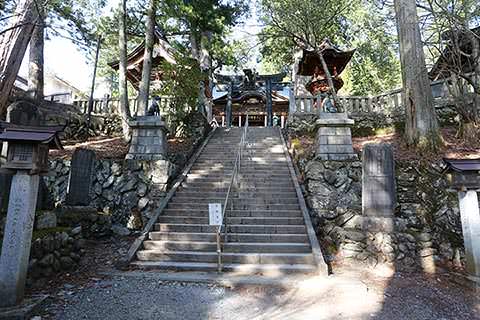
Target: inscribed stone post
[(378, 181), (470, 215), (80, 180), (17, 238)]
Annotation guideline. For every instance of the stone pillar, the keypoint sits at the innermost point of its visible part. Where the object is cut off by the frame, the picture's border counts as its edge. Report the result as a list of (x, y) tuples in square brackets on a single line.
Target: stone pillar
[(17, 238), (282, 122), (378, 181), (239, 120), (470, 215), (149, 139), (334, 137), (292, 104), (269, 102), (223, 121)]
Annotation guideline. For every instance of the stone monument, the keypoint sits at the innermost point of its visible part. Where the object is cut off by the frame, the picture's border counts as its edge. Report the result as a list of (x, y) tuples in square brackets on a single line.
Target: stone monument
[(80, 180), (378, 181)]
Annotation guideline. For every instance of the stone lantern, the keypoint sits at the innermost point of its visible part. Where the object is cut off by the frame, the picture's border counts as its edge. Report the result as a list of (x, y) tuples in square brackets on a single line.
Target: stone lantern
[(464, 177), (27, 159)]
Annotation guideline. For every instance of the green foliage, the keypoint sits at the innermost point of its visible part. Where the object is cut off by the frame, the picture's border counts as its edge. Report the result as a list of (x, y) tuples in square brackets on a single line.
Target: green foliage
[(180, 82), (291, 24), (203, 15)]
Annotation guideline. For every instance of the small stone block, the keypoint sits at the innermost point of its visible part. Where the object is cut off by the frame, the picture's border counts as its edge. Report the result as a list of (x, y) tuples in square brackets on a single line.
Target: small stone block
[(340, 140), (343, 131), (327, 131)]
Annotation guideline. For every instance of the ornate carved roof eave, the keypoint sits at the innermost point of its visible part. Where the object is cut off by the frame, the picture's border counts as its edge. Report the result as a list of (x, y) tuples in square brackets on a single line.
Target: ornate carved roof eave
[(334, 56), (161, 48), (440, 69), (276, 98)]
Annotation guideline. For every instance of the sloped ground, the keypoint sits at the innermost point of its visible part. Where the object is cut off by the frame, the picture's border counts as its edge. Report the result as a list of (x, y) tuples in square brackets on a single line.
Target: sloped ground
[(113, 147), (454, 147)]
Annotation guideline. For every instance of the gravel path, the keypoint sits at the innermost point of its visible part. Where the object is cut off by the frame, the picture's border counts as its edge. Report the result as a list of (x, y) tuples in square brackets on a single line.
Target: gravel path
[(352, 294)]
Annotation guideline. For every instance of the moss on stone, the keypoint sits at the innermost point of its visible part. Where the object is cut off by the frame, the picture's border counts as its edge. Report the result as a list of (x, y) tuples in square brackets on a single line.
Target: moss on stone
[(38, 234)]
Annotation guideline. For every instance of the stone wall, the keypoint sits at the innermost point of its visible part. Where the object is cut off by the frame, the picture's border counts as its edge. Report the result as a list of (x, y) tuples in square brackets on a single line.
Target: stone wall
[(127, 190), (55, 251), (424, 232), (368, 123)]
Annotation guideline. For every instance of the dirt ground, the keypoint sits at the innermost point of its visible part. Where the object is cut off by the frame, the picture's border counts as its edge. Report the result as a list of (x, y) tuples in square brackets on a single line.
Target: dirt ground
[(98, 291)]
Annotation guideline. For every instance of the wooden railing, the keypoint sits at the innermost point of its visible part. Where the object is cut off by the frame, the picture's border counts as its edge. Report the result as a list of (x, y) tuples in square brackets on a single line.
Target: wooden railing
[(385, 102)]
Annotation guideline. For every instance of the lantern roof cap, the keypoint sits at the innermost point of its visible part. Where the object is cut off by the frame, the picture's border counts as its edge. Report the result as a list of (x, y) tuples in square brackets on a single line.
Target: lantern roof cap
[(23, 134), (462, 165)]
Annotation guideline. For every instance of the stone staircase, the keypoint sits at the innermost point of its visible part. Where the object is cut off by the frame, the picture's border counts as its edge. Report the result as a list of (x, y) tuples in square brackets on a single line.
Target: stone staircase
[(267, 231)]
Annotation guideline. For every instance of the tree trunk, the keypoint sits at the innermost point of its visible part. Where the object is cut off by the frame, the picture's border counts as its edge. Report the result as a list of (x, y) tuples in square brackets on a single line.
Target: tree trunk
[(122, 78), (94, 78), (13, 45), (206, 66), (421, 124), (147, 60), (36, 61), (330, 82)]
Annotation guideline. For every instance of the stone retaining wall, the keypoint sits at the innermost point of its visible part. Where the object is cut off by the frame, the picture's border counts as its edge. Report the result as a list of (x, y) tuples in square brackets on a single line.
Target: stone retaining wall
[(128, 190), (367, 123), (424, 232), (54, 252)]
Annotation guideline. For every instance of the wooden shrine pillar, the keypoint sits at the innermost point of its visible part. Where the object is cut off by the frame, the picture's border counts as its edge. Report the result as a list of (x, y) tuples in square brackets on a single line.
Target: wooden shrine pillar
[(228, 111), (268, 89)]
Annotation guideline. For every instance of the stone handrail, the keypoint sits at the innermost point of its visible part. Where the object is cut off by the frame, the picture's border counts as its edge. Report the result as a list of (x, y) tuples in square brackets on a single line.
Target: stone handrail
[(104, 106)]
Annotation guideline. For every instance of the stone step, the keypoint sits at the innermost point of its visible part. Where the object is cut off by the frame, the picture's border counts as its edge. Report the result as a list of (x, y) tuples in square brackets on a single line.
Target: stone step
[(254, 189), (242, 175), (253, 247), (236, 201), (233, 220), (184, 193), (227, 257), (250, 168), (232, 237), (235, 213), (252, 206), (214, 185), (264, 269), (196, 228)]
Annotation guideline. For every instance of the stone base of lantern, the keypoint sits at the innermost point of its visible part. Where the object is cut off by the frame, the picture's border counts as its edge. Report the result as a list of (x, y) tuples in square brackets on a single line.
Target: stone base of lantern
[(334, 137), (149, 139)]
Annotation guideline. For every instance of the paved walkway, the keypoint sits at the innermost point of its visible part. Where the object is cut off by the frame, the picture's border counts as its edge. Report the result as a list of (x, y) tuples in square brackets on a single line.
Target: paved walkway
[(350, 295)]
